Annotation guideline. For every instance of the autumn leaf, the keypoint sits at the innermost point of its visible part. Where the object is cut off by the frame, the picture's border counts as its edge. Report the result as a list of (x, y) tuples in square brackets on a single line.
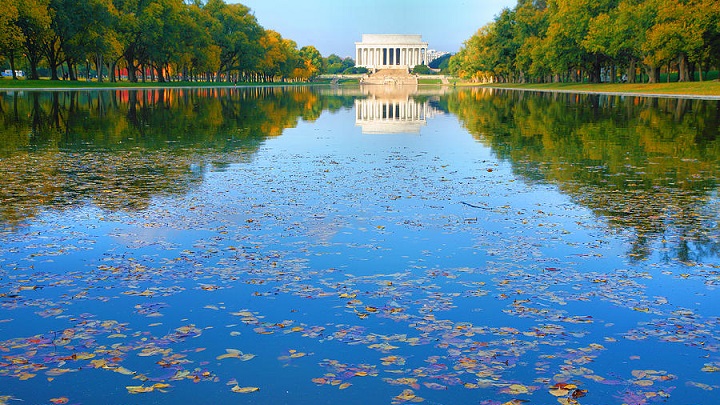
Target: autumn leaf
[(244, 390), (138, 389), (235, 354)]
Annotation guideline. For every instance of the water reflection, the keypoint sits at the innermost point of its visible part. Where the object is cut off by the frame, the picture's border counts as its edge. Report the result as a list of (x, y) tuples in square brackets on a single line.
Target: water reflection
[(392, 109), (647, 165), (117, 149)]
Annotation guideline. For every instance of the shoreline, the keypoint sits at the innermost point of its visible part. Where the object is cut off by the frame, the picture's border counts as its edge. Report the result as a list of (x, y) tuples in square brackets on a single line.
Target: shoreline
[(610, 93), (552, 88)]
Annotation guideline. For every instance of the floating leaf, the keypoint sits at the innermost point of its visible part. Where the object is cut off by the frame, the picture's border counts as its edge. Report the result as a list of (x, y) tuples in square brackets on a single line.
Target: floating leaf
[(643, 383), (138, 389), (235, 354), (515, 389), (244, 390)]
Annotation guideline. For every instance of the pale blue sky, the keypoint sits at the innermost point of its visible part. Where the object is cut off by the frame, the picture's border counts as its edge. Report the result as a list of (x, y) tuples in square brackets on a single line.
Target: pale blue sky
[(334, 26)]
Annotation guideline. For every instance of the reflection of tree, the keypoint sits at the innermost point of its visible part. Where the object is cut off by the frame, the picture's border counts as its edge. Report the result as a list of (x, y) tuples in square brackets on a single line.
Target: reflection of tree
[(119, 148), (650, 166)]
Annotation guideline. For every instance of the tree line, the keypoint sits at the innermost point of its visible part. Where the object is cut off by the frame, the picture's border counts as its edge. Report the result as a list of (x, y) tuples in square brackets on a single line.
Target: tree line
[(160, 40), (594, 40)]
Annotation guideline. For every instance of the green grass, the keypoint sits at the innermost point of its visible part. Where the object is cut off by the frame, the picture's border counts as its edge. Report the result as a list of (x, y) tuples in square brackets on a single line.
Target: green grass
[(707, 88), (8, 83), (429, 81)]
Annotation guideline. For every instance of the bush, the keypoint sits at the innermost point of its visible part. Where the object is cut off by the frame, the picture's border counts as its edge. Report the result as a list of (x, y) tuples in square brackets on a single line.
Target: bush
[(355, 70), (422, 70)]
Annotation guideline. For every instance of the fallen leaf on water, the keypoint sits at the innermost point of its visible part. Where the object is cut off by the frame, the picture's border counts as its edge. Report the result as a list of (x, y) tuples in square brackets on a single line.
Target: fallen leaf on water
[(644, 383), (710, 368), (579, 393), (515, 389), (244, 390), (138, 389), (237, 354), (515, 402)]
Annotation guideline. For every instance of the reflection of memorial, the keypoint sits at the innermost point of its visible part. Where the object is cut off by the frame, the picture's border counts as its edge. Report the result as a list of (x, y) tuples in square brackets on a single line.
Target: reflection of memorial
[(392, 110)]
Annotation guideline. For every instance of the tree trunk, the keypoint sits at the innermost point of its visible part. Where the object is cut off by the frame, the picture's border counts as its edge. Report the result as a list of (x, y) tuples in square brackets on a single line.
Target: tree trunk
[(131, 69), (653, 74), (12, 64), (33, 59), (683, 69), (631, 71), (99, 66), (595, 73), (52, 54)]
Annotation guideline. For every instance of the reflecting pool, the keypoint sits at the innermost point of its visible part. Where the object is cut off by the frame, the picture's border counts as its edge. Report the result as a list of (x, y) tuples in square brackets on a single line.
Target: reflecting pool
[(358, 245)]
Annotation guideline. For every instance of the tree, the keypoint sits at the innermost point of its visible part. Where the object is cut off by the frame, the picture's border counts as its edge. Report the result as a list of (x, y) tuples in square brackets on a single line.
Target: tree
[(129, 34), (236, 32), (531, 21), (621, 32), (201, 53), (311, 63), (83, 30), (333, 64), (34, 23), (11, 37)]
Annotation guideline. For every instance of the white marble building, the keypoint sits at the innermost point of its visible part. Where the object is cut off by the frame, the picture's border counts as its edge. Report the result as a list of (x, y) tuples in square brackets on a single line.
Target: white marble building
[(388, 51)]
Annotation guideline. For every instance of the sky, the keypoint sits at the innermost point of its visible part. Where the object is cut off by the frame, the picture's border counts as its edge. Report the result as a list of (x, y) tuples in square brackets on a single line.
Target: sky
[(333, 26)]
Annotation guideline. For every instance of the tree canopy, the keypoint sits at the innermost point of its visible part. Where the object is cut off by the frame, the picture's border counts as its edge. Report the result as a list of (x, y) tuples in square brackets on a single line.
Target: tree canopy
[(159, 40), (593, 40)]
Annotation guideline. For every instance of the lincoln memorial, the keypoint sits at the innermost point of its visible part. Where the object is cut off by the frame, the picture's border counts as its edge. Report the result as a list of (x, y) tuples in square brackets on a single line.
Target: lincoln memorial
[(387, 51)]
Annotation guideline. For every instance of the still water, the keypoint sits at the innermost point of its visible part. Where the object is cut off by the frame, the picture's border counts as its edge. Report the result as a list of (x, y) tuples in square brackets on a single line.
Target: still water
[(358, 246)]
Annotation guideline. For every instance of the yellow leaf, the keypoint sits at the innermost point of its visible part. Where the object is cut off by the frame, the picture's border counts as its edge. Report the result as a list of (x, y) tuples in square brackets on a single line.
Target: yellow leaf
[(559, 392), (84, 356), (138, 389), (517, 389), (406, 395), (344, 385), (244, 390)]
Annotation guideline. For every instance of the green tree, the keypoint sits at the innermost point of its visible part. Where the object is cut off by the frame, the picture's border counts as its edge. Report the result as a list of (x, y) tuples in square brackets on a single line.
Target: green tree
[(333, 64), (34, 22), (11, 37), (236, 32), (311, 62)]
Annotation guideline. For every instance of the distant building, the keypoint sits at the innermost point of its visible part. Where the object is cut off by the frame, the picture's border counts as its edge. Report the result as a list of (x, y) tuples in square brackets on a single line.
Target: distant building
[(433, 54), (388, 51)]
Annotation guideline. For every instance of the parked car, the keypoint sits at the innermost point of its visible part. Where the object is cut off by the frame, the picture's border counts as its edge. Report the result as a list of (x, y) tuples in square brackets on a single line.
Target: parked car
[(8, 73)]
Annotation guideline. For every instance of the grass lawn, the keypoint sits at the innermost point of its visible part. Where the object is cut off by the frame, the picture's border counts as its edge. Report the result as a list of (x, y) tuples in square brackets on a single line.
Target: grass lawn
[(8, 83), (708, 88)]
